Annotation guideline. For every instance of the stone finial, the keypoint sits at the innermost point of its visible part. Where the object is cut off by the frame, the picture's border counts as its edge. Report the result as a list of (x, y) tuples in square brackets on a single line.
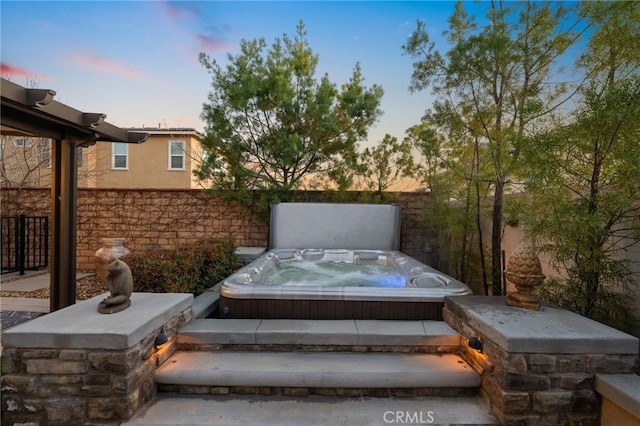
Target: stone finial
[(120, 285), (525, 272)]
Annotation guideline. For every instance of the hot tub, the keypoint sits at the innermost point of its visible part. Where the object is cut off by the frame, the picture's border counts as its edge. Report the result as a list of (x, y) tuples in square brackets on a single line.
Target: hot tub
[(337, 284)]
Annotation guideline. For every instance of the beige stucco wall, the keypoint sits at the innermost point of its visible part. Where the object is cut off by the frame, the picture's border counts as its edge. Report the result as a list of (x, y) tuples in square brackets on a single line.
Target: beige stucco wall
[(613, 414), (148, 164)]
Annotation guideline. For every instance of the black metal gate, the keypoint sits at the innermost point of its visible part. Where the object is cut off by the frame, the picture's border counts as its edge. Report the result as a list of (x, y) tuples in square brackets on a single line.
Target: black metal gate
[(25, 243)]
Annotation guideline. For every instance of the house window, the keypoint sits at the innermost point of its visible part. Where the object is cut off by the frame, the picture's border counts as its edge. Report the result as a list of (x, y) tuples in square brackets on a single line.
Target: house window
[(79, 155), (44, 152), (24, 143), (176, 155), (120, 157), (43, 146)]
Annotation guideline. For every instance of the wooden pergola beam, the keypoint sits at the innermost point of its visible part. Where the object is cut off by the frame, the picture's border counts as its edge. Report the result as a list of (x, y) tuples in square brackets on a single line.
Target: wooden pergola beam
[(34, 112)]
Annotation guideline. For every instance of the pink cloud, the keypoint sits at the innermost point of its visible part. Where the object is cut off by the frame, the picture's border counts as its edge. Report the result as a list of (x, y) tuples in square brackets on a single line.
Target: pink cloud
[(212, 43), (176, 10), (8, 71), (99, 63)]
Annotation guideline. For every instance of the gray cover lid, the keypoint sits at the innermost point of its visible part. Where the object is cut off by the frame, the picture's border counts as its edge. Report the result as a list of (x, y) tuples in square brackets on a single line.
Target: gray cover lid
[(332, 226)]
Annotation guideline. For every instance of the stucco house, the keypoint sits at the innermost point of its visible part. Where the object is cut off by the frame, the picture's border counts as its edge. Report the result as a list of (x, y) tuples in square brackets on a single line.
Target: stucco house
[(166, 160)]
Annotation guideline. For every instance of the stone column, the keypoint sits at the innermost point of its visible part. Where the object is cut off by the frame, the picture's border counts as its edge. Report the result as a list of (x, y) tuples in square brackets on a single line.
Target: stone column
[(76, 366), (538, 367)]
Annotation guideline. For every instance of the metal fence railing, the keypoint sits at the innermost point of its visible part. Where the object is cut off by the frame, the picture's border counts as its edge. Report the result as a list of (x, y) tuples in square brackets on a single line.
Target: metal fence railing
[(24, 243)]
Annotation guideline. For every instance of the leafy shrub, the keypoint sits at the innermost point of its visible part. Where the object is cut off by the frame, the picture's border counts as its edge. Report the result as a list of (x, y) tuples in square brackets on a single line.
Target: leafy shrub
[(613, 308), (191, 268)]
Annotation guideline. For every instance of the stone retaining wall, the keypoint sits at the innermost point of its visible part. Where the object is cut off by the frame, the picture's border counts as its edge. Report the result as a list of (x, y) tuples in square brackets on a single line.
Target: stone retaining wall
[(549, 378), (68, 385), (166, 218)]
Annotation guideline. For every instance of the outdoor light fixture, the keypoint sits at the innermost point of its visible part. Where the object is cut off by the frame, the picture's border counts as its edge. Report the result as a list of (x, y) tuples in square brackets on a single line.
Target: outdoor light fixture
[(475, 343), (161, 339)]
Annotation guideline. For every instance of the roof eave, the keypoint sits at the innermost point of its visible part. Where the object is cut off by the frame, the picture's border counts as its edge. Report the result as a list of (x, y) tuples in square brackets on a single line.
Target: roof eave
[(34, 111)]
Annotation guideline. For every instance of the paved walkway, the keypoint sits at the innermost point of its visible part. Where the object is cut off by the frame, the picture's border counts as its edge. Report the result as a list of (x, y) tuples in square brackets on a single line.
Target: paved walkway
[(16, 310), (172, 409)]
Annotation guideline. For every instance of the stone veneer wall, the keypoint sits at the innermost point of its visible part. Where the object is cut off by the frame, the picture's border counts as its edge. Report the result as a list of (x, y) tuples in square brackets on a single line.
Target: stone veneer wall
[(77, 386), (165, 218), (539, 387)]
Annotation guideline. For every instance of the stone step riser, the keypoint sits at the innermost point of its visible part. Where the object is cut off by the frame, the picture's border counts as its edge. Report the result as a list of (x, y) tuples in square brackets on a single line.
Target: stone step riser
[(190, 346), (206, 347), (305, 392)]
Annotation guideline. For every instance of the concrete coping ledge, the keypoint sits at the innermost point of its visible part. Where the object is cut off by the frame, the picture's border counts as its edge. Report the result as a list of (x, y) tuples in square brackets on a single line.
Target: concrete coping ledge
[(319, 332), (81, 326), (621, 389), (206, 303), (549, 330), (249, 254)]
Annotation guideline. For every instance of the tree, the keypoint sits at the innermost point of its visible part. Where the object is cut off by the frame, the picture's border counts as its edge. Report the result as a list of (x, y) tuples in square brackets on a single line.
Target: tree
[(585, 204), (450, 170), (271, 124), (428, 143), (494, 82), (386, 164), (612, 52), (25, 161), (586, 200)]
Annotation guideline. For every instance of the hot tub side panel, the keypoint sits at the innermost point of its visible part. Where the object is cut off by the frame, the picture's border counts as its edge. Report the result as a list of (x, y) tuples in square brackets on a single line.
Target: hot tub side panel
[(328, 309)]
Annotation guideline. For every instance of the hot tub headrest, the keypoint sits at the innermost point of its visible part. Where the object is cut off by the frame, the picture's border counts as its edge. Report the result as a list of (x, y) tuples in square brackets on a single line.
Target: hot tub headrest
[(332, 226)]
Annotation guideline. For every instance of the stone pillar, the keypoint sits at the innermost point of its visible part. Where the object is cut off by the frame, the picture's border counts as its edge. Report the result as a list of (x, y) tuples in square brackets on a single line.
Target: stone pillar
[(538, 367), (76, 366)]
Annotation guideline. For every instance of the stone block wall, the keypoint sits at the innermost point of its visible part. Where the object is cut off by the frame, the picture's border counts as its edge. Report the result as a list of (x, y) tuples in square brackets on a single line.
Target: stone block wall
[(166, 218), (534, 388), (558, 389), (75, 386)]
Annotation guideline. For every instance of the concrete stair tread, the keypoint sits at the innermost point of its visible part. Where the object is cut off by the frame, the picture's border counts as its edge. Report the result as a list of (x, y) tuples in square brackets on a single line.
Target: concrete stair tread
[(312, 411), (315, 332), (317, 370)]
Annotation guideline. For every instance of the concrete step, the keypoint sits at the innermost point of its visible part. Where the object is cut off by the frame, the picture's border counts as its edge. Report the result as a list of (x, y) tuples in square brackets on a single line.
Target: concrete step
[(217, 371), (206, 334), (172, 409)]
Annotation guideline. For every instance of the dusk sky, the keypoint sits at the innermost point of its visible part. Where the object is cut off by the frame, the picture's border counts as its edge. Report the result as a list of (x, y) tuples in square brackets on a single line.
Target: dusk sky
[(137, 61)]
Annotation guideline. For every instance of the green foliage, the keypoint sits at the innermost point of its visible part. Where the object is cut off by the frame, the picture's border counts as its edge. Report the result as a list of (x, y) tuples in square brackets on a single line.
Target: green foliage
[(424, 138), (612, 52), (585, 199), (613, 303), (192, 268), (385, 164), (271, 124), (493, 87)]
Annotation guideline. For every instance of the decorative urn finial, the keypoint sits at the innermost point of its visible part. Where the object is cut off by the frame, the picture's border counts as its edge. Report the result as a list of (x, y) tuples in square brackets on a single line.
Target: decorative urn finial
[(525, 272)]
